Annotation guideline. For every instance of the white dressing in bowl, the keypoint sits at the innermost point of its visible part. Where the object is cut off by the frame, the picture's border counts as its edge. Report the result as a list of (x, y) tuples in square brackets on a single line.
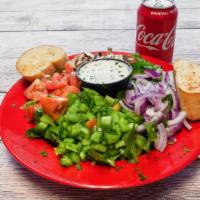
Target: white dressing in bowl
[(104, 71)]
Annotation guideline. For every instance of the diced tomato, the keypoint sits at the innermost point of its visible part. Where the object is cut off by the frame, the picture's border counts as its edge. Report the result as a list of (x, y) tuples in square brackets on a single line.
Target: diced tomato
[(74, 81), (29, 113), (54, 106), (68, 68), (57, 81), (63, 92), (56, 77), (65, 77), (55, 85), (91, 123), (37, 95), (34, 91), (58, 92), (73, 89), (59, 85)]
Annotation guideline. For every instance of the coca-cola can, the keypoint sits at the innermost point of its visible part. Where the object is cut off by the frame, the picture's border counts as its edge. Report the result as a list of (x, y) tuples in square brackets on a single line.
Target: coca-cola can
[(156, 28)]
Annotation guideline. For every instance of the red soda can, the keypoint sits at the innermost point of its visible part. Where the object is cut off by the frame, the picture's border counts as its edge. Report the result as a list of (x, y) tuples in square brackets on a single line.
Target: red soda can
[(156, 28)]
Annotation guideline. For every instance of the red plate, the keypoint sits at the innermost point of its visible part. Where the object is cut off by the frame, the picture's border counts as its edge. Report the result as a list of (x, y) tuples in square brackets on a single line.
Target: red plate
[(155, 166)]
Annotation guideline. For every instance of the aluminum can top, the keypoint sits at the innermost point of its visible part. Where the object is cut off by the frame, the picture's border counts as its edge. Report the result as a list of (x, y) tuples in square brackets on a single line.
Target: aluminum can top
[(158, 4)]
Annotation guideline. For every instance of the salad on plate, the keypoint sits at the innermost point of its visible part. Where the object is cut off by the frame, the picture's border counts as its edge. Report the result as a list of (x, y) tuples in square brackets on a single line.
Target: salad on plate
[(86, 121)]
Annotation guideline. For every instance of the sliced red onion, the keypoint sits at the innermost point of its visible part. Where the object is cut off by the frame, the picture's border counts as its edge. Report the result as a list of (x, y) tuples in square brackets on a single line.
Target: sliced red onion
[(174, 113), (128, 95), (174, 129), (172, 139), (151, 115), (141, 88), (140, 106), (165, 77), (161, 141), (128, 104), (158, 88), (151, 100), (146, 95), (163, 106), (157, 118), (150, 111), (151, 88), (124, 106), (140, 76), (137, 107), (171, 79), (187, 125), (147, 118), (146, 100), (136, 90), (179, 119), (147, 86), (140, 128), (152, 73), (142, 81), (158, 104), (130, 85)]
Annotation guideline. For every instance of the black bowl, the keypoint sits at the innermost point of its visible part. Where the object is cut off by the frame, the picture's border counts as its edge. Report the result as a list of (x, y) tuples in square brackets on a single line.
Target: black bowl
[(108, 88)]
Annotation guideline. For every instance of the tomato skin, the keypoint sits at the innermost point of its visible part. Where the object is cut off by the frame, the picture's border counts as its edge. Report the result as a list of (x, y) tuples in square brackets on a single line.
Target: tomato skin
[(63, 92), (50, 85), (74, 81), (53, 106), (59, 86), (57, 81), (56, 77), (29, 113), (73, 89), (68, 68), (57, 92), (36, 89)]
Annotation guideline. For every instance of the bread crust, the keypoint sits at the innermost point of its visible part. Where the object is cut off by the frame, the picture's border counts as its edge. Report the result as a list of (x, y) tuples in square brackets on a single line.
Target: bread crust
[(190, 103), (189, 100), (50, 67)]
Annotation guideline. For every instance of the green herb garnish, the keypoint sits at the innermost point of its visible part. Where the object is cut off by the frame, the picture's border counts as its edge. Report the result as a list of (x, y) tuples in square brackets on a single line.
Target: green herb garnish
[(141, 64), (44, 153), (29, 103), (79, 167), (141, 176), (186, 150)]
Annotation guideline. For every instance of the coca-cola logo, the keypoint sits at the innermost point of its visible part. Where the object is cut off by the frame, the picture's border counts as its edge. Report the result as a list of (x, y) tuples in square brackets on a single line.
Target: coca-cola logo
[(151, 41)]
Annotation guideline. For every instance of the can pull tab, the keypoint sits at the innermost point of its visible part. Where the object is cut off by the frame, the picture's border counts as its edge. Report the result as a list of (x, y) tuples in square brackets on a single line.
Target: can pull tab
[(158, 3)]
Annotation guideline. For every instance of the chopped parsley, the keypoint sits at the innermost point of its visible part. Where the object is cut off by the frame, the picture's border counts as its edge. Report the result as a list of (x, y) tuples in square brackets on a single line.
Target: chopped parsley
[(141, 176), (29, 103), (79, 167), (118, 168), (44, 153), (186, 150)]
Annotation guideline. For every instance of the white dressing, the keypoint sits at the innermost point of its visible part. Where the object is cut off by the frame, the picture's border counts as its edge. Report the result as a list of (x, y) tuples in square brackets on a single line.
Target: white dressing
[(104, 71)]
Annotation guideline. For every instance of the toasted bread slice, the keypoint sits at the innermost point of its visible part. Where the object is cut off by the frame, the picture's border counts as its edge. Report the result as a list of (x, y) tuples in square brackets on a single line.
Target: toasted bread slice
[(187, 79), (41, 60)]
